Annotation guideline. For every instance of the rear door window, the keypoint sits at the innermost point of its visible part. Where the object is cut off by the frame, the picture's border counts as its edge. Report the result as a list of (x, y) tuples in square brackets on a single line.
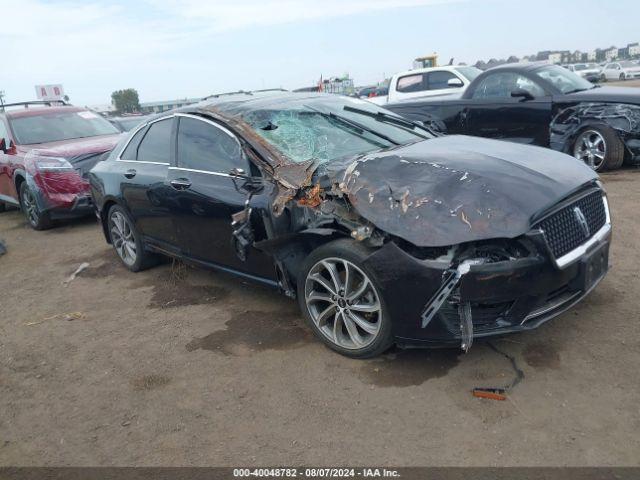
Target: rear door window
[(156, 144), (131, 152)]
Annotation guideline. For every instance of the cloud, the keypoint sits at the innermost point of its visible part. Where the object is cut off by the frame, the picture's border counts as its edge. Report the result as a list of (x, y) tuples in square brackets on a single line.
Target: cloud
[(95, 46)]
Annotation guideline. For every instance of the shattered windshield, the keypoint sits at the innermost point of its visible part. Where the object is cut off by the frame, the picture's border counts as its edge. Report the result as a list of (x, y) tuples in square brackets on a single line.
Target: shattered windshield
[(324, 130), (563, 79)]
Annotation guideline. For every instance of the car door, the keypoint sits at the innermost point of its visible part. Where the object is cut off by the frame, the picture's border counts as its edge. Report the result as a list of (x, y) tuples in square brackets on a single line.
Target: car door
[(143, 168), (493, 112), (206, 195), (612, 71)]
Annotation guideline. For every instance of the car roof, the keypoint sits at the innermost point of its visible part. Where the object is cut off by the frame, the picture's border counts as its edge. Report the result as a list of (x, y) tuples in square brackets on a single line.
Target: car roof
[(446, 68), (521, 67), (38, 111), (245, 101)]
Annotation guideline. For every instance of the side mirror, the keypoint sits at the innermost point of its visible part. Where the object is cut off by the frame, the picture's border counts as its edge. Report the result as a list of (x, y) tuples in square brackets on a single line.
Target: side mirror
[(10, 149), (455, 82), (522, 94), (250, 184)]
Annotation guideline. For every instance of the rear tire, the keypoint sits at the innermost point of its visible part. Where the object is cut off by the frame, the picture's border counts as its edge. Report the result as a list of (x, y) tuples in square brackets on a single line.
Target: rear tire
[(342, 301), (599, 147), (3, 207), (37, 219), (603, 78), (127, 241)]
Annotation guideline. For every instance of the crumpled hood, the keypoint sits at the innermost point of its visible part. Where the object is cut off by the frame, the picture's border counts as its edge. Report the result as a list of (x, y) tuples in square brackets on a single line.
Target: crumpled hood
[(70, 149), (457, 189)]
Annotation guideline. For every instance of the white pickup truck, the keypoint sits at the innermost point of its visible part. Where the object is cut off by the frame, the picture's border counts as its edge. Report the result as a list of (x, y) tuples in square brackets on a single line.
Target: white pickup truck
[(428, 82)]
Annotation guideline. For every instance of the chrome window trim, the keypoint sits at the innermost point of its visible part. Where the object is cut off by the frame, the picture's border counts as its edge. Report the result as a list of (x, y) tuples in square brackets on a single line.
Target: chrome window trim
[(144, 161), (201, 171), (133, 134), (210, 122), (569, 258)]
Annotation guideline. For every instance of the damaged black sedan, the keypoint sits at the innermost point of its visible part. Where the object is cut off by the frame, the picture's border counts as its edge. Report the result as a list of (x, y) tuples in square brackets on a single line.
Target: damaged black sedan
[(544, 105), (384, 231)]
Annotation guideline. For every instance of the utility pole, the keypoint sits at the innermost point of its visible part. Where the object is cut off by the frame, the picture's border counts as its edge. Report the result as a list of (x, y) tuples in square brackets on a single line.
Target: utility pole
[(2, 99)]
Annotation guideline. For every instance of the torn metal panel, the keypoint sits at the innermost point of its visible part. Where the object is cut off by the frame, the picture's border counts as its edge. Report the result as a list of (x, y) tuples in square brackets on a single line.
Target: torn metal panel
[(621, 117)]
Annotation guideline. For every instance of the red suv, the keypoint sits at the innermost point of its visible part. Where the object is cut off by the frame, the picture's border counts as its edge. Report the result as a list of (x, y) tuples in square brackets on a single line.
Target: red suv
[(46, 151)]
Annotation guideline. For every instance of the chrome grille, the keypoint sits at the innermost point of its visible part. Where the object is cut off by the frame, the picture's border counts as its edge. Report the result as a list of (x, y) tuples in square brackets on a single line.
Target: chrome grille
[(574, 224)]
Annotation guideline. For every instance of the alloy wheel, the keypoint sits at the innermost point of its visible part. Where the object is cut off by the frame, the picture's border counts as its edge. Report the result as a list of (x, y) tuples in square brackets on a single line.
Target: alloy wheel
[(122, 238), (591, 148), (30, 207), (343, 303)]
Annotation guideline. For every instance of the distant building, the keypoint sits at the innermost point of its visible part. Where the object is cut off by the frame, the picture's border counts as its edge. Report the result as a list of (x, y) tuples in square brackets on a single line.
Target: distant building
[(610, 54), (555, 57), (634, 49), (157, 107)]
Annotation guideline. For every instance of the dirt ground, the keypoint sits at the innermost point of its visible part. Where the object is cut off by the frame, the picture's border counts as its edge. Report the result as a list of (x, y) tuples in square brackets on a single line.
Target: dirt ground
[(180, 366)]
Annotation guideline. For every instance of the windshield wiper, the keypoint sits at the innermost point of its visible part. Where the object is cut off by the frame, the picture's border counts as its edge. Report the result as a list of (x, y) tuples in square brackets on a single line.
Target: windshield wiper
[(386, 118), (354, 124)]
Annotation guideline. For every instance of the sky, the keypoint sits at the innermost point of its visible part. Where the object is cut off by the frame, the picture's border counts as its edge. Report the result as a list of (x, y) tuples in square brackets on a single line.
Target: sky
[(169, 49)]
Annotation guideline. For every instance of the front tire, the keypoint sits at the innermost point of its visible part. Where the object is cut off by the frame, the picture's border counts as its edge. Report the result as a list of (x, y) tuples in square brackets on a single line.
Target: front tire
[(342, 301), (622, 77), (127, 241), (38, 219), (599, 147)]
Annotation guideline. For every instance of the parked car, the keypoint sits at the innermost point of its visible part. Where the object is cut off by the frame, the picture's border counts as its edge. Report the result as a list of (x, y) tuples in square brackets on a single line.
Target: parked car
[(127, 122), (46, 151), (384, 231), (366, 92), (623, 70), (588, 71), (428, 82), (544, 105), (379, 97)]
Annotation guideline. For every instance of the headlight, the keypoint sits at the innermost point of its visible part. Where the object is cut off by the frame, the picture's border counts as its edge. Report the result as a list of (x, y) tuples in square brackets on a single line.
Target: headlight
[(52, 164)]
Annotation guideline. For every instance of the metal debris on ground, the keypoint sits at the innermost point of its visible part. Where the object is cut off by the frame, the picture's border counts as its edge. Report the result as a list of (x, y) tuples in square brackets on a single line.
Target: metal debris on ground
[(73, 276), (62, 316), (500, 393)]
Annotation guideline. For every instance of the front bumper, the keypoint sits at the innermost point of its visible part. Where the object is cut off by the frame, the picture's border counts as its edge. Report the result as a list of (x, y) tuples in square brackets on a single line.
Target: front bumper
[(62, 194), (505, 297), (82, 205)]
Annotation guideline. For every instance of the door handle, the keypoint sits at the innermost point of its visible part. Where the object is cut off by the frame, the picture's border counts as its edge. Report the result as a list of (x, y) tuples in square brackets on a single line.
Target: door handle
[(130, 173), (180, 183)]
